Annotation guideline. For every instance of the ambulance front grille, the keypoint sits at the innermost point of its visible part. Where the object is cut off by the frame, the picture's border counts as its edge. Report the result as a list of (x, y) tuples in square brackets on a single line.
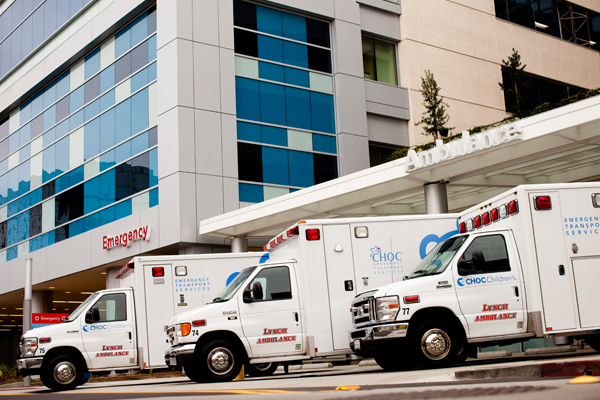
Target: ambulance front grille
[(361, 313)]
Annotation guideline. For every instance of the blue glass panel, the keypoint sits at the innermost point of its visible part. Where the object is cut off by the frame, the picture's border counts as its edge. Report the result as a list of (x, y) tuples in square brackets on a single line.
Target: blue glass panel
[(139, 111), (76, 99), (48, 164), (294, 27), (24, 134), (268, 20), (272, 72), (250, 132), (13, 183), (76, 228), (37, 105), (298, 107), (35, 244), (297, 77), (12, 231), (107, 216), (14, 142), (247, 99), (49, 117), (324, 143), (23, 226), (122, 41), (139, 80), (36, 196), (47, 239), (272, 135), (91, 146), (152, 48), (275, 166), (49, 95), (92, 63), (270, 48), (25, 113), (12, 208), (24, 153), (301, 169), (153, 197), (123, 209), (91, 195), (108, 100), (107, 188), (107, 78), (61, 233), (295, 54), (91, 222), (62, 155), (107, 127), (12, 253), (139, 29), (63, 182), (92, 109), (123, 152), (76, 120), (322, 113), (107, 160), (24, 177), (152, 72), (153, 161), (139, 143), (251, 193), (63, 85), (76, 176), (3, 189), (4, 166), (61, 130), (272, 103), (123, 121)]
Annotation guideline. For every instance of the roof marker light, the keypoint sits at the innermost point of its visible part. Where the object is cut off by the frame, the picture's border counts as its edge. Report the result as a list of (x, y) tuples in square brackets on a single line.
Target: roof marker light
[(596, 200), (292, 231), (485, 218), (273, 243), (361, 232), (462, 227), (542, 203), (158, 272), (503, 211), (495, 214), (469, 225), (279, 239), (477, 221), (513, 207), (313, 234)]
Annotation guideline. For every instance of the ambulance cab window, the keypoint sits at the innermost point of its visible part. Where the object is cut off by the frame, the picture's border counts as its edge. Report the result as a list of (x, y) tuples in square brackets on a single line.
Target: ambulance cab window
[(113, 307), (274, 282), (486, 254)]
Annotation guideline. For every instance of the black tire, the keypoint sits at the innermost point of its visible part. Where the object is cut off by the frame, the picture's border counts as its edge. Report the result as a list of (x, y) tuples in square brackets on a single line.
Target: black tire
[(218, 361), (593, 341), (389, 361), (265, 369), (435, 343), (192, 372), (62, 373), (462, 355)]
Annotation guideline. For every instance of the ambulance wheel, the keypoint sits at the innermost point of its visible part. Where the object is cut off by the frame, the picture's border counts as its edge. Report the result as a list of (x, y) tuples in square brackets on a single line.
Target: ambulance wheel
[(593, 341), (219, 361), (62, 373), (264, 369), (389, 361), (435, 343), (192, 372)]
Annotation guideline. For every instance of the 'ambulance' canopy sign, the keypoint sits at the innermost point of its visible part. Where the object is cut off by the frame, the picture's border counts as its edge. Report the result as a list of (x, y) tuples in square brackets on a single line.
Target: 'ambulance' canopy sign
[(460, 147)]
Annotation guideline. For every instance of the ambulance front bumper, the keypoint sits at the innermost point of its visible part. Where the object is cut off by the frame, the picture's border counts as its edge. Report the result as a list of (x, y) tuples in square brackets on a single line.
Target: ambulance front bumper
[(29, 366), (180, 356), (369, 338)]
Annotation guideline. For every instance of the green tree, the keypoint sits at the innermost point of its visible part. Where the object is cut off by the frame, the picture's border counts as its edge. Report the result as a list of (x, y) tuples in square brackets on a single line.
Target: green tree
[(516, 86), (434, 119)]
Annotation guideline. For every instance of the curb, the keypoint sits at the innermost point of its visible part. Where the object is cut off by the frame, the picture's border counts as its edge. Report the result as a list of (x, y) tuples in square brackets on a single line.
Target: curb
[(543, 370)]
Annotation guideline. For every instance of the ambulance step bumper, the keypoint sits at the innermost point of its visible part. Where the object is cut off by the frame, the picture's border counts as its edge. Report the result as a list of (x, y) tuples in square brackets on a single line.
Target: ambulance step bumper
[(369, 338), (180, 356), (29, 366)]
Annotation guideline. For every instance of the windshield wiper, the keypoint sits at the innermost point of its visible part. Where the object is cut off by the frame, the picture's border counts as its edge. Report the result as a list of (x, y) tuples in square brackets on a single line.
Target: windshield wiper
[(219, 300)]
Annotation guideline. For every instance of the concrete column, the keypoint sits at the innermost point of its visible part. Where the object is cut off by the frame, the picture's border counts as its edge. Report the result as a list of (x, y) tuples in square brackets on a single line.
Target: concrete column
[(239, 245), (436, 198), (41, 301), (111, 281)]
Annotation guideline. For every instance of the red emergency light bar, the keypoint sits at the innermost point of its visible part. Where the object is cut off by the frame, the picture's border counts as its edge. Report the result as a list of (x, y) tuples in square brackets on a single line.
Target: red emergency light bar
[(494, 215), (125, 270), (462, 227), (293, 231), (485, 218), (500, 212), (542, 203), (477, 221), (158, 272)]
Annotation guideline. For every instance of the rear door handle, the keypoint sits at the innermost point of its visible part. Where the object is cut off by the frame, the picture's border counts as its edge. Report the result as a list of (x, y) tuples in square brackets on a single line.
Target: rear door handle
[(296, 316), (561, 270), (516, 291)]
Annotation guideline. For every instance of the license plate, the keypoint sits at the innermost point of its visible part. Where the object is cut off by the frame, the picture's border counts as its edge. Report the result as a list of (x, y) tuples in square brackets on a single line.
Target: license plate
[(357, 345), (172, 361)]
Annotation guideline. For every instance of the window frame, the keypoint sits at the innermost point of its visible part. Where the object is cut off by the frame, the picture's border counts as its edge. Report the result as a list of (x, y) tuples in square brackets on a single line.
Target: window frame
[(395, 58), (112, 294), (475, 272), (257, 276)]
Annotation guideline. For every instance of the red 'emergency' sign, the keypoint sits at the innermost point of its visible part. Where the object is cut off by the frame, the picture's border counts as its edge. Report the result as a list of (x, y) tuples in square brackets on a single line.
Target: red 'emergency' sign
[(48, 318)]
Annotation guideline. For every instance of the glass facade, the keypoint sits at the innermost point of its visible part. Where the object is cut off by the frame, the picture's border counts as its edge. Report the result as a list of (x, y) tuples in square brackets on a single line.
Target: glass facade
[(82, 152), (284, 99), (379, 60), (25, 24)]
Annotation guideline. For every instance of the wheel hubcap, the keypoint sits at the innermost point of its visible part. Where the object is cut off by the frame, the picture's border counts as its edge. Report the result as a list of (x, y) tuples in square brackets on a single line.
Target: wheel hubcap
[(435, 344), (220, 361), (65, 372)]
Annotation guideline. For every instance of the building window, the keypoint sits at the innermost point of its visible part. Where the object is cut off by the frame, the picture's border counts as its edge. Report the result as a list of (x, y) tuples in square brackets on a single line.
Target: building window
[(554, 17), (284, 102), (379, 154), (379, 60)]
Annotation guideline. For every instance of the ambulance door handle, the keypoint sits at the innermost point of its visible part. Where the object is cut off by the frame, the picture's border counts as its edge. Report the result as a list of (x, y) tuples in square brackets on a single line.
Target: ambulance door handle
[(129, 334), (561, 270), (296, 316), (516, 291)]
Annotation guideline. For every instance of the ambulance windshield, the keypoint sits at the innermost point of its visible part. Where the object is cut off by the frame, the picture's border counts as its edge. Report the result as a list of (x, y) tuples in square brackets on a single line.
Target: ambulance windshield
[(438, 259), (232, 288), (73, 316)]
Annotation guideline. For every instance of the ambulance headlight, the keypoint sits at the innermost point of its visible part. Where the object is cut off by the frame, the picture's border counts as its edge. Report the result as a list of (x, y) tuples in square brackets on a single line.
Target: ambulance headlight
[(387, 308), (28, 347), (183, 329)]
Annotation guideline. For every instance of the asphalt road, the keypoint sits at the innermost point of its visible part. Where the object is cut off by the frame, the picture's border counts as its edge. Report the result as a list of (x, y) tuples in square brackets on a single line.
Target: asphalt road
[(373, 383)]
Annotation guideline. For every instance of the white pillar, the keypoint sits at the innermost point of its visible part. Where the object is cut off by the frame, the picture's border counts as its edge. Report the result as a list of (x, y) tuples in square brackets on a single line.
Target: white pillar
[(436, 198), (239, 245), (27, 307), (111, 281)]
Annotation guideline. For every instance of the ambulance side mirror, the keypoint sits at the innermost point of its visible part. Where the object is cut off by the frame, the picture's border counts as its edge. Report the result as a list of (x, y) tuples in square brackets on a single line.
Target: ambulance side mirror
[(93, 315), (247, 295), (462, 266)]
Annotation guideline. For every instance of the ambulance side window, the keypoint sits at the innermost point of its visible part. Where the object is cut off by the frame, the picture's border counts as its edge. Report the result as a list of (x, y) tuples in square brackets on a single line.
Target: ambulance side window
[(275, 284), (113, 307), (487, 254)]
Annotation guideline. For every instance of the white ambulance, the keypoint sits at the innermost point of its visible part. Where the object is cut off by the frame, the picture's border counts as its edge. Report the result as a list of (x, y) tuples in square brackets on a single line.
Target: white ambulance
[(525, 264), (124, 328), (295, 307)]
